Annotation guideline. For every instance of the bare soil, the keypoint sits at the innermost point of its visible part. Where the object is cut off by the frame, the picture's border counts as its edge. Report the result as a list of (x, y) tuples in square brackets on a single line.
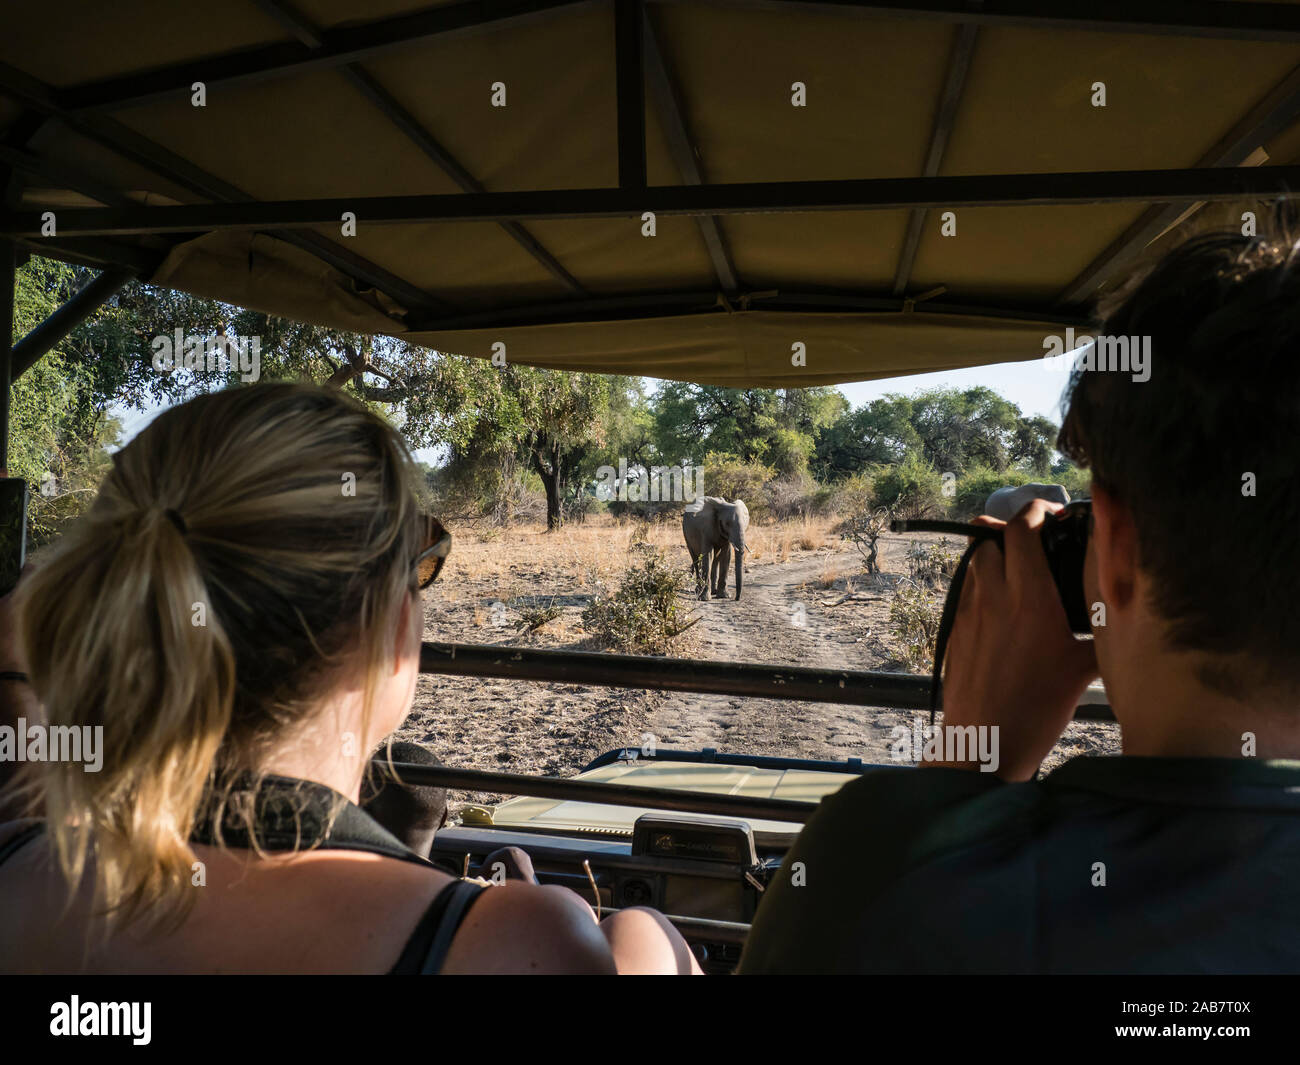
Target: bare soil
[(794, 611)]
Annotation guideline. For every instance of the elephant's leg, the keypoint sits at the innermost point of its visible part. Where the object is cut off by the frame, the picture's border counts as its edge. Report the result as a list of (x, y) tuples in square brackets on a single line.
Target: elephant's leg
[(695, 572), (723, 567), (705, 559)]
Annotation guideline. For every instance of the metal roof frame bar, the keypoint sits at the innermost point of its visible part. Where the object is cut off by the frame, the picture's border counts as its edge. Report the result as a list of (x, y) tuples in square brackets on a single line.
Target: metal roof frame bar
[(1224, 19), (667, 104), (389, 106), (708, 301), (963, 48), (339, 47), (1274, 113), (153, 157), (866, 194), (1246, 20), (64, 319)]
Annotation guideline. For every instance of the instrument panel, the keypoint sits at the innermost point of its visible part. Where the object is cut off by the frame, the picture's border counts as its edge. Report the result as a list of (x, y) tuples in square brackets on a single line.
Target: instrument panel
[(706, 876)]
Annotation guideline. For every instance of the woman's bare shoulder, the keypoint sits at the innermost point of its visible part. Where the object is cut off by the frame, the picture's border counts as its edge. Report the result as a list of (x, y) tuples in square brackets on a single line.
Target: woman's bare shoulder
[(524, 928), (324, 912)]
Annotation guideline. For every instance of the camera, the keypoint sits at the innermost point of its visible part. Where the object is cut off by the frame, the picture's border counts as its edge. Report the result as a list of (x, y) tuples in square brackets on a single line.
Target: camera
[(1065, 543)]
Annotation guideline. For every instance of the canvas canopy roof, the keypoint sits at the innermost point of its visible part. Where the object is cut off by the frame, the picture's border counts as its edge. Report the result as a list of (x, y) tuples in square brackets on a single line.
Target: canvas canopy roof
[(500, 159)]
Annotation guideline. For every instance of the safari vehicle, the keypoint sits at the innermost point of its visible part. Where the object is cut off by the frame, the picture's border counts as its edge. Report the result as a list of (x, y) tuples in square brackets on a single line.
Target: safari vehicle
[(756, 193)]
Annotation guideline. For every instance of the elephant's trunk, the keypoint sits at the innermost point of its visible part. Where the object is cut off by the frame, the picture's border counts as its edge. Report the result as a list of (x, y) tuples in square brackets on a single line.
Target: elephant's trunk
[(739, 544)]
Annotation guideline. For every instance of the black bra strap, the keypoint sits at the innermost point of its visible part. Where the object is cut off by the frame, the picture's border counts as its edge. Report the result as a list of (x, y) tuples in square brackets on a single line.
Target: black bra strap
[(463, 894), (427, 948)]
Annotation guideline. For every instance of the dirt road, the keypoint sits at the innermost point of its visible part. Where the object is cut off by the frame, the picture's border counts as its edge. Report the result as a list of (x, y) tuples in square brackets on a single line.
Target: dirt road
[(785, 617), (793, 611)]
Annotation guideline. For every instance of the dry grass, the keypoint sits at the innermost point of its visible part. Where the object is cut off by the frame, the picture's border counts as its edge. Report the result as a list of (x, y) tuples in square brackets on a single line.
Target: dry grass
[(576, 555), (498, 577), (781, 541)]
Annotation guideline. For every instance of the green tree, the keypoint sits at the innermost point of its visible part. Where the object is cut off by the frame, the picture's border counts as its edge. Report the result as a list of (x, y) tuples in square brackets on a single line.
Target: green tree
[(877, 433), (775, 428), (1033, 443), (952, 429), (549, 420), (60, 426), (959, 428)]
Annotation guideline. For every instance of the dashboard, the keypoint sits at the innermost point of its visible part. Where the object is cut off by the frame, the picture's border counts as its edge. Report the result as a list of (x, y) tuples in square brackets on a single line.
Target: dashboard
[(706, 876)]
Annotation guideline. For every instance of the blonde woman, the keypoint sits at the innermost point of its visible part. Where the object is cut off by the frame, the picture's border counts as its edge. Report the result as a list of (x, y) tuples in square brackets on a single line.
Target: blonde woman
[(240, 612)]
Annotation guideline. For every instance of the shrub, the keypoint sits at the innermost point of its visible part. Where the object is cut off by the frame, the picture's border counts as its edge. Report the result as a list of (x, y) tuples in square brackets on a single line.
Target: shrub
[(854, 494), (576, 505), (978, 483), (825, 500), (726, 476), (534, 617), (477, 488), (654, 511), (927, 563), (864, 529), (791, 496), (788, 451), (912, 488), (915, 614), (645, 615), (1077, 481)]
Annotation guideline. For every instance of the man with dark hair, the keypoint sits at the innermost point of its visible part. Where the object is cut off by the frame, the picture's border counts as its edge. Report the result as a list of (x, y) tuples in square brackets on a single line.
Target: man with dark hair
[(411, 812), (1183, 854)]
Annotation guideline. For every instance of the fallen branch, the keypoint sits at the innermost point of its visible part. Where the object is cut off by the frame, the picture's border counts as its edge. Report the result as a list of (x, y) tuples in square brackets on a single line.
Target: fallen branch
[(856, 597)]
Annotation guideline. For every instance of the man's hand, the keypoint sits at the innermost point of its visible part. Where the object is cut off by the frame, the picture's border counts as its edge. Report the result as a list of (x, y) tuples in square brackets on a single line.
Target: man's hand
[(1012, 660)]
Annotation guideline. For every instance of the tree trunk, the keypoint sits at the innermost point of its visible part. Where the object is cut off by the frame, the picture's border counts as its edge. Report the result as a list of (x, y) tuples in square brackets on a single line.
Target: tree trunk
[(552, 480), (554, 517)]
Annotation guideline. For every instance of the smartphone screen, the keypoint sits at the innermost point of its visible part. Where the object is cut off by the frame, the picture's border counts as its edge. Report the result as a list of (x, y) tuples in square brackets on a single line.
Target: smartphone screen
[(13, 531)]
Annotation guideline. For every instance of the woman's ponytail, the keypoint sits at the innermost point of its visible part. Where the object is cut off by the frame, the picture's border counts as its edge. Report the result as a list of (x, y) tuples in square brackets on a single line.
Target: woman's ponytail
[(121, 641)]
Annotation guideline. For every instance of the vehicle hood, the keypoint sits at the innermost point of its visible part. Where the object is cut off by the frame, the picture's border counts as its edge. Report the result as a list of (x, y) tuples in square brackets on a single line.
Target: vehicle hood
[(564, 816)]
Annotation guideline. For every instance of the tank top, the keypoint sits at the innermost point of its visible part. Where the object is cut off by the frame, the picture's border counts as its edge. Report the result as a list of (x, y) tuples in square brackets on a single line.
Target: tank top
[(295, 814)]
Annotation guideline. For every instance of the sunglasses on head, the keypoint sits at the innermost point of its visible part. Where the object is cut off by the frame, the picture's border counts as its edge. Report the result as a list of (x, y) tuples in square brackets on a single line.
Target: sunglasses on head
[(435, 548)]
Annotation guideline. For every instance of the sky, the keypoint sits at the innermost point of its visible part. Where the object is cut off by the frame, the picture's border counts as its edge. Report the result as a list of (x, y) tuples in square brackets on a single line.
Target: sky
[(1029, 385)]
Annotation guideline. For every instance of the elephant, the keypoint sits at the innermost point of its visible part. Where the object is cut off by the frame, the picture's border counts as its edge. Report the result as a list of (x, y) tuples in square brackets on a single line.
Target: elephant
[(713, 528), (1006, 503)]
